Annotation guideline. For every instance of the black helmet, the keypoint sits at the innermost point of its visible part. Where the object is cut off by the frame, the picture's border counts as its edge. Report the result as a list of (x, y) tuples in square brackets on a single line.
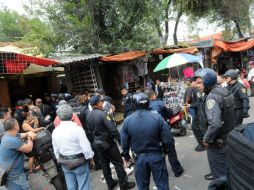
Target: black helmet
[(208, 76), (140, 101), (233, 74)]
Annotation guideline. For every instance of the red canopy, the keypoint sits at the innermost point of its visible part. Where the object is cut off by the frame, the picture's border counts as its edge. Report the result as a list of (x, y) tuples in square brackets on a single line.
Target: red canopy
[(13, 63)]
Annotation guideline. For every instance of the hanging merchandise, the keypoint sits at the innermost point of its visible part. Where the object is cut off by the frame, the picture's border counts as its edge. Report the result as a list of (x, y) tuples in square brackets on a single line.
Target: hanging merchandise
[(142, 66), (188, 72)]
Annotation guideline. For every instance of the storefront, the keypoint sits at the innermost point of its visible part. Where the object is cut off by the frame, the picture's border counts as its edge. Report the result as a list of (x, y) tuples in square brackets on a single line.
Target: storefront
[(126, 69), (81, 72), (232, 55), (177, 72), (23, 76)]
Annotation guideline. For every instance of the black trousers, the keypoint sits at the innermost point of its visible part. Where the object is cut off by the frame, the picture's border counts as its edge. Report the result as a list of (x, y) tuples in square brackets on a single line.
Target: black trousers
[(238, 117), (112, 155), (173, 160), (197, 131), (217, 158)]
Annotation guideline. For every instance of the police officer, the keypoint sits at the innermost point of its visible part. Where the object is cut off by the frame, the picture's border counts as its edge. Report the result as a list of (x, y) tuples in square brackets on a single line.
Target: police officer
[(148, 136), (240, 94), (104, 134), (219, 109), (158, 106), (126, 101)]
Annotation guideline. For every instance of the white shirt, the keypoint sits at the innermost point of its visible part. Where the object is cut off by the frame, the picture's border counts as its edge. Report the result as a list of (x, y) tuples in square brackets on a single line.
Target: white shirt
[(224, 84), (70, 139), (251, 74)]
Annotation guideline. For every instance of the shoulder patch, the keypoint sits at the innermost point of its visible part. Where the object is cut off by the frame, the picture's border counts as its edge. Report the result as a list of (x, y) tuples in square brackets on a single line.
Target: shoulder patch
[(210, 103), (244, 90)]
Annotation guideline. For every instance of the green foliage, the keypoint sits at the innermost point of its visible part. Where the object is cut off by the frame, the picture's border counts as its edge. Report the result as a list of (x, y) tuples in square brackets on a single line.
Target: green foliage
[(18, 28), (104, 26), (9, 30), (233, 15)]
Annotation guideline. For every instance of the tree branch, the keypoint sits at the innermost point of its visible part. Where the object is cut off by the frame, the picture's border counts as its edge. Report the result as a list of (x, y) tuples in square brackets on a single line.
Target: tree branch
[(179, 15), (238, 28), (166, 22), (158, 28)]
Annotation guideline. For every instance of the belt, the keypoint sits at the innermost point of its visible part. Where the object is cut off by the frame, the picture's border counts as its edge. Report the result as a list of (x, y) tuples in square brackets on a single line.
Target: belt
[(72, 157)]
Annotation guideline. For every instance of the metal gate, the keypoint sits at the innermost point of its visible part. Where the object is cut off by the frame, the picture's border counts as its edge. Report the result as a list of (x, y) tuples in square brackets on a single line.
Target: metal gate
[(83, 78)]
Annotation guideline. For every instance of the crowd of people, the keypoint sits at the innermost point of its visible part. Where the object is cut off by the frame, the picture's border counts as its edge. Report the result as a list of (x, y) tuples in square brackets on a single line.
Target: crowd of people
[(86, 133)]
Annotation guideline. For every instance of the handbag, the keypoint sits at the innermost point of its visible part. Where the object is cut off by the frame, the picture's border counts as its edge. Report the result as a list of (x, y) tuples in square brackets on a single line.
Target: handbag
[(4, 173)]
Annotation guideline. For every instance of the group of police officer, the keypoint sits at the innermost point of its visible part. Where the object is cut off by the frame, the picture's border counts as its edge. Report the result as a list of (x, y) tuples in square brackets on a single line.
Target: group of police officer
[(145, 136)]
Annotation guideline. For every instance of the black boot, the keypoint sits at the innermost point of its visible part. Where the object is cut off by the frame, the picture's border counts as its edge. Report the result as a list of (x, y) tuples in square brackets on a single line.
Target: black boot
[(129, 185), (200, 148), (113, 185), (178, 174)]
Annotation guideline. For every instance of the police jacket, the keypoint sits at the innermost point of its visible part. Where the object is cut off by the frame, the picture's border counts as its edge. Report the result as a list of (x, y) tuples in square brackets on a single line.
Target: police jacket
[(82, 113), (219, 108), (199, 106), (240, 94), (101, 127), (159, 107), (145, 132), (127, 103)]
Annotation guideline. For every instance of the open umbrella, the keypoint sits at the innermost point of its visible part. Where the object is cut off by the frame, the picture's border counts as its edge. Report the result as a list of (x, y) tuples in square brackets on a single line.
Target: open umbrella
[(177, 59)]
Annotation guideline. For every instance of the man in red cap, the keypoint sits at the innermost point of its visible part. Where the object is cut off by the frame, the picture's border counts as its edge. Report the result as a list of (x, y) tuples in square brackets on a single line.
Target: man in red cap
[(251, 77)]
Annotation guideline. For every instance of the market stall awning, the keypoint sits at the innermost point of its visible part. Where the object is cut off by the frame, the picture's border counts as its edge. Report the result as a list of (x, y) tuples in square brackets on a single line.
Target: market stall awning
[(190, 50), (15, 63), (234, 46), (128, 56)]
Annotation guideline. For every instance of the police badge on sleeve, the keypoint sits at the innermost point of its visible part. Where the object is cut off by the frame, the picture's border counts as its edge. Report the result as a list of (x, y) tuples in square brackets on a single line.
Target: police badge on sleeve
[(244, 90), (210, 103)]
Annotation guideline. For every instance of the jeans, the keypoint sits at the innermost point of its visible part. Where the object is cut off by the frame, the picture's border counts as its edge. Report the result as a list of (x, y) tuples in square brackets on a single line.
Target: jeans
[(18, 182), (192, 113), (151, 163), (78, 178), (112, 155)]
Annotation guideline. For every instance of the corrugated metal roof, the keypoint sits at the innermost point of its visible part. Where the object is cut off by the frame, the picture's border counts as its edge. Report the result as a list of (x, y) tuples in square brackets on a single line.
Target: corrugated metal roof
[(67, 59), (203, 43)]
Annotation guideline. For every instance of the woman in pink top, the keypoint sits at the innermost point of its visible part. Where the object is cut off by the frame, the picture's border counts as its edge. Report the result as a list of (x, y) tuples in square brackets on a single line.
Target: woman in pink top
[(75, 118), (243, 76)]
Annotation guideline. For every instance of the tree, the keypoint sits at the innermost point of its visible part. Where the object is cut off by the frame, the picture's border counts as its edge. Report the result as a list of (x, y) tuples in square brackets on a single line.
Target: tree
[(9, 26), (234, 15), (19, 28), (104, 26)]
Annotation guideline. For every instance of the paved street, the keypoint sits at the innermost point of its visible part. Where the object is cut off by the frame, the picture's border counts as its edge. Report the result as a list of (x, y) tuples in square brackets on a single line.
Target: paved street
[(195, 165)]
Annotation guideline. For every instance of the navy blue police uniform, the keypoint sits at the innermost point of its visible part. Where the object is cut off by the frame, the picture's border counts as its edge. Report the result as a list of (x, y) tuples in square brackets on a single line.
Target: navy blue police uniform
[(240, 95), (127, 103), (104, 133), (219, 109), (241, 101), (158, 106), (148, 136)]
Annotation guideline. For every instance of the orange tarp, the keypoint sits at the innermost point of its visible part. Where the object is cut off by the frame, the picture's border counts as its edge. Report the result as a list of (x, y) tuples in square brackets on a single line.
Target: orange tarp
[(234, 46), (131, 55), (190, 50)]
